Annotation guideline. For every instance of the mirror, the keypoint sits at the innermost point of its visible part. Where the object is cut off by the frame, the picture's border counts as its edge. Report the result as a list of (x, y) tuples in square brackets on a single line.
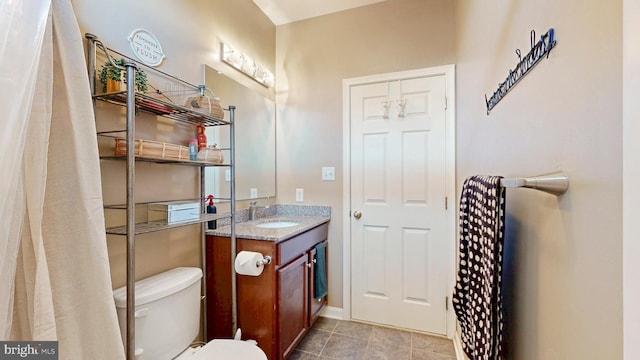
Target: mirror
[(255, 140)]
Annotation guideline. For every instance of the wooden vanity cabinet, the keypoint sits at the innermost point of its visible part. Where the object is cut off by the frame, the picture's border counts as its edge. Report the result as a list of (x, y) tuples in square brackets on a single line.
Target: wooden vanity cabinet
[(276, 308)]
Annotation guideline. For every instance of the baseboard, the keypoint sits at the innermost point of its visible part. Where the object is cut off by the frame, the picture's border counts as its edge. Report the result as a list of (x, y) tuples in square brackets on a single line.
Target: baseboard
[(332, 312)]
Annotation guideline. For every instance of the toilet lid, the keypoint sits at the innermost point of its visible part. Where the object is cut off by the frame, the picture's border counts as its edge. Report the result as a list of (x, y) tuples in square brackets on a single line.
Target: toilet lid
[(222, 349)]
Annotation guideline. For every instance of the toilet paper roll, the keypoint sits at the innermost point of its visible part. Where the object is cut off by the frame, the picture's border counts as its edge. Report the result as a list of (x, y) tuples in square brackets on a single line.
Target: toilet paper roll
[(246, 261)]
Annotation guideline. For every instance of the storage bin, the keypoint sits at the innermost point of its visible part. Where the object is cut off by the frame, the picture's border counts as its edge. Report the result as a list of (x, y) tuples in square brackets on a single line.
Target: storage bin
[(173, 211), (205, 105), (152, 148), (211, 154)]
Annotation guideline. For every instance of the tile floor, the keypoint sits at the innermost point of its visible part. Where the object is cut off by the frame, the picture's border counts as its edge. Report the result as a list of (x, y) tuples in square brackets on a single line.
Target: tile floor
[(348, 340)]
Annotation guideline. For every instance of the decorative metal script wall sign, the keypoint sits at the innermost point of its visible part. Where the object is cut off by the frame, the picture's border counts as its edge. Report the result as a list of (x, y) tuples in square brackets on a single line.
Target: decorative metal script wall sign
[(538, 51)]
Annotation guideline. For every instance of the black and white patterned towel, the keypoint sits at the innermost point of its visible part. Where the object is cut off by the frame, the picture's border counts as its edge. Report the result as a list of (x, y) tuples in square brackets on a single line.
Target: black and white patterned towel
[(477, 299)]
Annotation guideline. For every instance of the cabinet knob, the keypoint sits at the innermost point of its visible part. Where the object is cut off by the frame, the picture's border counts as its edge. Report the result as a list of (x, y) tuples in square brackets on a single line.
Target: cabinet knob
[(314, 261), (309, 265), (357, 214)]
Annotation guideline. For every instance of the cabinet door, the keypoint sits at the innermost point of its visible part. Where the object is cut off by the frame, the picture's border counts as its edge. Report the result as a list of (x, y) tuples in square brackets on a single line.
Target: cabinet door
[(315, 304), (293, 299)]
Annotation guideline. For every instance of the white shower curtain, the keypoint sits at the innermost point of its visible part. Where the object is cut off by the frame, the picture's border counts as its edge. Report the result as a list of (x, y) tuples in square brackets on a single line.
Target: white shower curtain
[(54, 269)]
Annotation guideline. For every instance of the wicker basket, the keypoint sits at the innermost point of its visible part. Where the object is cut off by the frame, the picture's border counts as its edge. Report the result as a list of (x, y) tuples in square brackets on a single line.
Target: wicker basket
[(205, 105), (154, 149), (211, 154)]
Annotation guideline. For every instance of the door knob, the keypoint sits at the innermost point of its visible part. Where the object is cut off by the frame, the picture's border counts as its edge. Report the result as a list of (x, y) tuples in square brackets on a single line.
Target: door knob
[(357, 214)]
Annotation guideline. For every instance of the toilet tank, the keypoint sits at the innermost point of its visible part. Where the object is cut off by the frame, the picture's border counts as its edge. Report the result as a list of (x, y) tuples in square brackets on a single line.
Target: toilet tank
[(167, 312)]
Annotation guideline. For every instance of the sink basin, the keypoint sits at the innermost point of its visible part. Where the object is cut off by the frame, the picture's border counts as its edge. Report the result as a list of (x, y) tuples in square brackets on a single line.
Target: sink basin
[(276, 224)]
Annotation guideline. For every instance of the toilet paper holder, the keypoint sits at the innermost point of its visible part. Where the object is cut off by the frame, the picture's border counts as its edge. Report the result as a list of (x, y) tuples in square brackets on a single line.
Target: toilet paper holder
[(265, 261)]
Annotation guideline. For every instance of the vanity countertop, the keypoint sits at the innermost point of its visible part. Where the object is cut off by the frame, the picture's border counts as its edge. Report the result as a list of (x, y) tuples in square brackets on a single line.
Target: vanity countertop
[(249, 230)]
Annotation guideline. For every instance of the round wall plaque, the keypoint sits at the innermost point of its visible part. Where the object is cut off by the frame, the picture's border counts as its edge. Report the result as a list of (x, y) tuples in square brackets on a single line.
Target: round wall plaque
[(146, 47)]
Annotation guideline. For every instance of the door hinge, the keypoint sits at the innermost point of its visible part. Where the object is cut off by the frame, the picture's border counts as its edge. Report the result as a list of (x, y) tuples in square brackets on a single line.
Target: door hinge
[(446, 203), (445, 103), (446, 303)]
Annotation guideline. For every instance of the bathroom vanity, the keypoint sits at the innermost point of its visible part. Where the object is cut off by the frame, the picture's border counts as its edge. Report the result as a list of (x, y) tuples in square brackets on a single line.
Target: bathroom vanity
[(278, 307)]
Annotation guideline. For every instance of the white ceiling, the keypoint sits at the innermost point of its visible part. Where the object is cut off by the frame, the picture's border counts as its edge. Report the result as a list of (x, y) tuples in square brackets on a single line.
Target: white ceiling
[(286, 11)]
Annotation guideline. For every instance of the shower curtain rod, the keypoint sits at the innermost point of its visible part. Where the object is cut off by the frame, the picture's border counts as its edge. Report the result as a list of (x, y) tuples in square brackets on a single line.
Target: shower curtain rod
[(555, 183)]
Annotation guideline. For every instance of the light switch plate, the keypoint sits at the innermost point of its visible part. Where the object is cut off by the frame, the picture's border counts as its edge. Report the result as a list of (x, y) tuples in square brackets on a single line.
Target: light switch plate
[(299, 195), (254, 193), (227, 175), (329, 173)]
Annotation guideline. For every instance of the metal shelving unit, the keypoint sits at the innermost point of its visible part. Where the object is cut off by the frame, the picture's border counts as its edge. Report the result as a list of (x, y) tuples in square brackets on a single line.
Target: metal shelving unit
[(134, 102)]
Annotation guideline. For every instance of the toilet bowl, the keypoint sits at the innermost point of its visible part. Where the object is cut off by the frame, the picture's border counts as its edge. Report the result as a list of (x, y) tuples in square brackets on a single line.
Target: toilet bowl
[(167, 320)]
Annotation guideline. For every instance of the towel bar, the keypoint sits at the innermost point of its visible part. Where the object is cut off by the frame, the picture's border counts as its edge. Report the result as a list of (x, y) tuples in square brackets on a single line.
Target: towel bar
[(555, 183)]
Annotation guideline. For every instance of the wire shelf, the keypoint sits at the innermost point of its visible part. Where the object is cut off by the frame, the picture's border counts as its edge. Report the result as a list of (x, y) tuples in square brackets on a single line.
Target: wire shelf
[(149, 227), (158, 160), (156, 106)]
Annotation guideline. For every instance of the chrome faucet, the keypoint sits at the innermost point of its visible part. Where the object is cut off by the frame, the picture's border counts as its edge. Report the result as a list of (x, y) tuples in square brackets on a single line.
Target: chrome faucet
[(253, 209)]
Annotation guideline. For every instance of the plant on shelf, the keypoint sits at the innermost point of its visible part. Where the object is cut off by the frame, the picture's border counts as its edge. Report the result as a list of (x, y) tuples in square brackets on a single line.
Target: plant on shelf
[(110, 77)]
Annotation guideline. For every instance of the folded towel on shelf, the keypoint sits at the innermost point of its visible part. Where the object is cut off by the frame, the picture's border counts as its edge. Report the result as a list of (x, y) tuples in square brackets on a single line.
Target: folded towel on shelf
[(477, 298), (320, 272)]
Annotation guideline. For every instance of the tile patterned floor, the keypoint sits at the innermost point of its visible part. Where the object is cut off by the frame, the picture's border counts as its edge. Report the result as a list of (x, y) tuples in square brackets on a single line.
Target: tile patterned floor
[(348, 340)]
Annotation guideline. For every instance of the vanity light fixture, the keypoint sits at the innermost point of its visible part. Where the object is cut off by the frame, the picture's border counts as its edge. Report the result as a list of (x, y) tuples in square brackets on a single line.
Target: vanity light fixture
[(246, 65)]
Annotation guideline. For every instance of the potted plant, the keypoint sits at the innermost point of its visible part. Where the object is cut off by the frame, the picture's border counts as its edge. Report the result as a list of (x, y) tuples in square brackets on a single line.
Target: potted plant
[(110, 77)]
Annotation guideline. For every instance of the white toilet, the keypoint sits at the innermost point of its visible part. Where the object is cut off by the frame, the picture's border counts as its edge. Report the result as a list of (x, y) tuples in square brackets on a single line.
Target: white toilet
[(167, 320)]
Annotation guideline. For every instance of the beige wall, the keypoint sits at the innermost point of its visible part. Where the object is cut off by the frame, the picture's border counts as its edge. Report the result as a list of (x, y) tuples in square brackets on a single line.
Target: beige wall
[(190, 32), (313, 57), (564, 254), (190, 35), (631, 193)]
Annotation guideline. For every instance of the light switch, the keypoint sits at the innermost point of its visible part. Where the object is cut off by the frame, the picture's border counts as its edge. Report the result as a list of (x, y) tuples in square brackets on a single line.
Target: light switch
[(254, 193), (227, 175), (300, 195), (328, 173)]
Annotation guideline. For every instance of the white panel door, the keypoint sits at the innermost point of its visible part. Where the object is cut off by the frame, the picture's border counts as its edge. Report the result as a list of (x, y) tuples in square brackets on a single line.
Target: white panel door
[(399, 241)]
